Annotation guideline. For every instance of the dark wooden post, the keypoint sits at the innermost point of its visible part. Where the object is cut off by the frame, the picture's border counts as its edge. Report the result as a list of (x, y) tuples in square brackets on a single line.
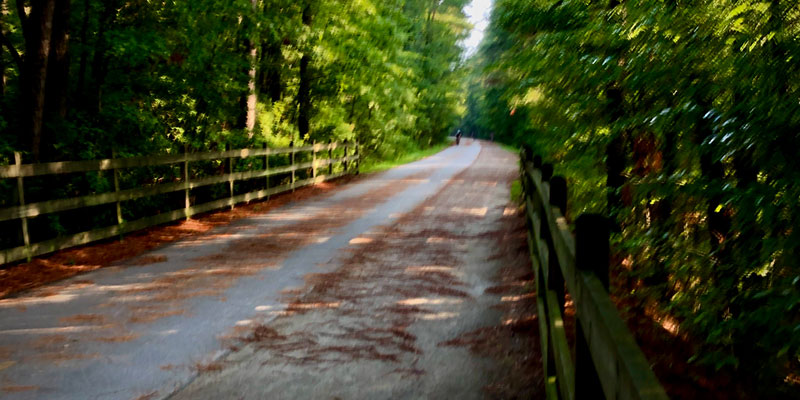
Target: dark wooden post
[(358, 158), (591, 245), (549, 281), (591, 252), (186, 201), (21, 191), (527, 150), (558, 193), (116, 193), (291, 145), (230, 177), (266, 168), (547, 172), (314, 160), (344, 163), (555, 278), (330, 157)]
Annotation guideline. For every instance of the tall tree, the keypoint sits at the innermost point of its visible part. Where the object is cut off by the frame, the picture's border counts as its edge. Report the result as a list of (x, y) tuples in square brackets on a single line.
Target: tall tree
[(304, 92), (37, 28)]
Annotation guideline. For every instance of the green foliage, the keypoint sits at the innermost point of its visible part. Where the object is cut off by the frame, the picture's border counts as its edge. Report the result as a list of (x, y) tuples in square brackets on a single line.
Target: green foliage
[(516, 192), (160, 77), (149, 77), (702, 99)]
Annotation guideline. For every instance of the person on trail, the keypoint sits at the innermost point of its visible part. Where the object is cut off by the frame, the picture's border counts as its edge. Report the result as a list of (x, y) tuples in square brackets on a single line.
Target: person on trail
[(492, 136), (458, 137)]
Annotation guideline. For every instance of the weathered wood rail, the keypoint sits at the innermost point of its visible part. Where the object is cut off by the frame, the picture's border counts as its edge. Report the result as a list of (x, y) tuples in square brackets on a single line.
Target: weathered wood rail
[(606, 362), (347, 163)]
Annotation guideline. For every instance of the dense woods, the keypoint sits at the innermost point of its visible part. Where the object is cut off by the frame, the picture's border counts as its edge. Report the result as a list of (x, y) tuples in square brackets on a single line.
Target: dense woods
[(680, 120), (89, 79)]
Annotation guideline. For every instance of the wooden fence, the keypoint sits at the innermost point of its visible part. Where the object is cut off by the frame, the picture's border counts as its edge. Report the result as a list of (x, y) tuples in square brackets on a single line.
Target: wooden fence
[(606, 361), (321, 156)]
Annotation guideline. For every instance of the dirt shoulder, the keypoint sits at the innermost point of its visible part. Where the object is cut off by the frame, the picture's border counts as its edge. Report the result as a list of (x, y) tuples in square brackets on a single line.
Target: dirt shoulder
[(438, 304)]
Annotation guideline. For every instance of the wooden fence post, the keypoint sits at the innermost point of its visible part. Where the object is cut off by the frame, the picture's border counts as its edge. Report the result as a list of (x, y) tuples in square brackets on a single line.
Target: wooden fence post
[(291, 145), (116, 191), (330, 157), (537, 161), (358, 158), (591, 254), (314, 159), (21, 189), (524, 161), (548, 271), (555, 278), (558, 193), (266, 168), (592, 237), (344, 163), (187, 203), (230, 178), (547, 172), (527, 150)]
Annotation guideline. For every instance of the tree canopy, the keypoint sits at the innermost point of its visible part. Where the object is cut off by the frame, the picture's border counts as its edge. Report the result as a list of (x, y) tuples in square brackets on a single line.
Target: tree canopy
[(83, 77), (90, 79)]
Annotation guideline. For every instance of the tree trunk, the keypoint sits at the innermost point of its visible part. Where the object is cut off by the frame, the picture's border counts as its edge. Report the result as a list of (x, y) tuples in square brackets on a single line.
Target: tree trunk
[(55, 106), (38, 27), (269, 72), (58, 66), (252, 99), (304, 97), (84, 52), (269, 80), (107, 18), (304, 92)]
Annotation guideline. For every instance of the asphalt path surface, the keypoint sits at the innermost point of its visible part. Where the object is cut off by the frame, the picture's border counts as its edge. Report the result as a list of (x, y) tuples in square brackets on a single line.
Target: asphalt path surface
[(389, 287), (204, 317), (413, 310)]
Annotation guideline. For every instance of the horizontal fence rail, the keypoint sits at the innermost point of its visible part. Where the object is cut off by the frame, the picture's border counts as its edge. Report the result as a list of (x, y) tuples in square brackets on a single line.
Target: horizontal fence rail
[(322, 161), (605, 361)]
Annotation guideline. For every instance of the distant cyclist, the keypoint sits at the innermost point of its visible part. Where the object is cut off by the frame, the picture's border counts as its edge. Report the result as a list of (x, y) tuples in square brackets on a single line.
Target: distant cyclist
[(458, 137)]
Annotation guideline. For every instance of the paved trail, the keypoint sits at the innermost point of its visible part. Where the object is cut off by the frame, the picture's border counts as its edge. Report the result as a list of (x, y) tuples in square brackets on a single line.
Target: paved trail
[(397, 286)]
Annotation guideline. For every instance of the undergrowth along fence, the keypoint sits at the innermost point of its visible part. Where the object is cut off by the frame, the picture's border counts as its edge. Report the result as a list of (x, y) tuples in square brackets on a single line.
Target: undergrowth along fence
[(321, 155), (605, 360)]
